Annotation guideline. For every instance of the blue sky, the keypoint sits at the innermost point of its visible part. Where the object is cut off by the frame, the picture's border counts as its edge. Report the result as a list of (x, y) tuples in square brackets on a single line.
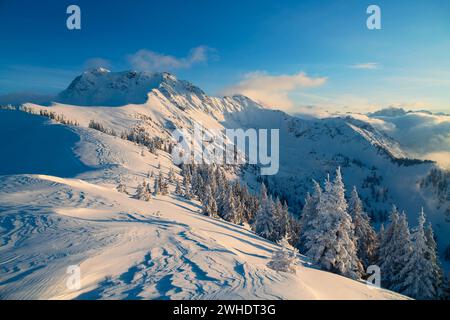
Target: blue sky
[(297, 55)]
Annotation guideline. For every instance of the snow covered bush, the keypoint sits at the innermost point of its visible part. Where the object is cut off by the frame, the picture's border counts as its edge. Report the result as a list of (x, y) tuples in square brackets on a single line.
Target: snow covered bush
[(122, 188), (285, 258)]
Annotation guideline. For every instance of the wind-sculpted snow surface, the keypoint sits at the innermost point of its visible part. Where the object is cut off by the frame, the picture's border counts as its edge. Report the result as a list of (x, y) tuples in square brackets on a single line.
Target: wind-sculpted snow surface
[(130, 249)]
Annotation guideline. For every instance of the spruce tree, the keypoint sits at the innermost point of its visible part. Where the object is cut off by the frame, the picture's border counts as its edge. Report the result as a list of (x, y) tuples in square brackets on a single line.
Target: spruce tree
[(309, 214), (222, 190), (178, 189), (209, 203), (229, 206), (417, 274), (438, 275), (187, 185), (264, 225), (156, 187), (446, 288), (171, 176), (395, 251), (148, 191), (285, 224), (280, 220), (331, 241), (365, 236)]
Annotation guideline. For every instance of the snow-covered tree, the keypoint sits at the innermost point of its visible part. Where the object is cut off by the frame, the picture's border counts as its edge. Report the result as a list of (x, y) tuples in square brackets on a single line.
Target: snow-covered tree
[(381, 235), (163, 185), (209, 203), (293, 229), (264, 225), (239, 203), (417, 274), (365, 236), (395, 250), (446, 288), (121, 187), (229, 207), (438, 275), (309, 213), (284, 221), (178, 189), (157, 186), (148, 190), (331, 242), (198, 187), (142, 192), (187, 186), (164, 188), (171, 176), (281, 215), (285, 258), (248, 204), (222, 196)]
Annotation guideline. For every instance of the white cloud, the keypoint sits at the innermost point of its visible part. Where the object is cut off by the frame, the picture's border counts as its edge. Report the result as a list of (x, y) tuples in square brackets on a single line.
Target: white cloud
[(327, 106), (147, 60), (423, 135), (442, 158), (273, 90), (366, 66)]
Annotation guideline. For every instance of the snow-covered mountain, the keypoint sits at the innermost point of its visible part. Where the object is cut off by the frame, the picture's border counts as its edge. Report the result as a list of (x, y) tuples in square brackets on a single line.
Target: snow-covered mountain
[(163, 248), (101, 87)]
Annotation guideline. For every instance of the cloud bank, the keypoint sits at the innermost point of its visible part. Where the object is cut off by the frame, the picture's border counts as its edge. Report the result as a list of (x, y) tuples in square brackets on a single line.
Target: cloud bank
[(423, 134), (148, 60), (270, 90)]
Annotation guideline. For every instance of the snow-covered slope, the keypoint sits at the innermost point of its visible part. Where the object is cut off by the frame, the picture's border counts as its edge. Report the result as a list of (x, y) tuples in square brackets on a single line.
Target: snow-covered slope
[(132, 249), (29, 144)]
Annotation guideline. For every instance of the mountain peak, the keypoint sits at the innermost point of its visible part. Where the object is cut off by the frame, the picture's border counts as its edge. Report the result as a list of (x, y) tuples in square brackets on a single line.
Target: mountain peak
[(101, 87)]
